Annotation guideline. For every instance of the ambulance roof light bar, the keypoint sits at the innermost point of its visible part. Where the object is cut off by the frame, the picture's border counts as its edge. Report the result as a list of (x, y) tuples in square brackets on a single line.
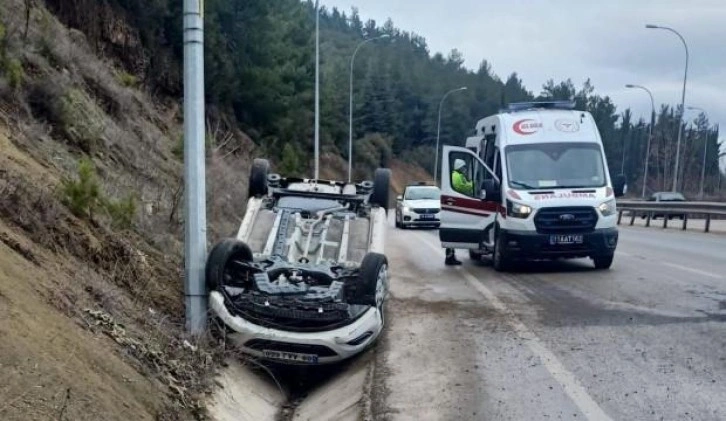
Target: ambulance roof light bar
[(539, 105)]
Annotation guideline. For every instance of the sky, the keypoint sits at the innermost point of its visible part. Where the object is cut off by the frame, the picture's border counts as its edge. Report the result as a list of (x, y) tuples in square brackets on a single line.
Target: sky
[(605, 41)]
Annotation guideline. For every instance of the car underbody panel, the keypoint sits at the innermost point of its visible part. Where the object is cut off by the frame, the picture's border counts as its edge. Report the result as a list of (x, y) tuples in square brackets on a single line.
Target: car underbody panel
[(306, 261)]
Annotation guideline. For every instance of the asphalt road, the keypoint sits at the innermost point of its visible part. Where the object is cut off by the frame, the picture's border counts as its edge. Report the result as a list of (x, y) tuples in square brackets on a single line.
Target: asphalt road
[(645, 340)]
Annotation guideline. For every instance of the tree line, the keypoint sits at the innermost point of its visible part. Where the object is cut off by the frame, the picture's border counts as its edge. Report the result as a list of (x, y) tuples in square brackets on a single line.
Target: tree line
[(260, 70)]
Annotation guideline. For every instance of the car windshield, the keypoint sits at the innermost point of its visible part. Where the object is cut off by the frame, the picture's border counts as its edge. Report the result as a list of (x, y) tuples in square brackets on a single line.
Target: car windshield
[(423, 193), (555, 165)]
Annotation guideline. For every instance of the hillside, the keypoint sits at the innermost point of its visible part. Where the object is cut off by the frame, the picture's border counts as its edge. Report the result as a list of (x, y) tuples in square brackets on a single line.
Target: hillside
[(91, 295)]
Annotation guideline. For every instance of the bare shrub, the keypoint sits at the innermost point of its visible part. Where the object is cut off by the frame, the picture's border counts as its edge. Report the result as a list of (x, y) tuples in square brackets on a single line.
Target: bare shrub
[(83, 195)]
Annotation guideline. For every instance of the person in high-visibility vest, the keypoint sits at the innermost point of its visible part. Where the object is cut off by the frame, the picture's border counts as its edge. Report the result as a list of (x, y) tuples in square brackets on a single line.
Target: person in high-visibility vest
[(463, 185), (458, 179)]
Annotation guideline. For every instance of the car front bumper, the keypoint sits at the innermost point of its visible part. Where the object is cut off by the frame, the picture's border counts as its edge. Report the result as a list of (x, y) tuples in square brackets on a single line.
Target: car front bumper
[(533, 245), (412, 218), (329, 346)]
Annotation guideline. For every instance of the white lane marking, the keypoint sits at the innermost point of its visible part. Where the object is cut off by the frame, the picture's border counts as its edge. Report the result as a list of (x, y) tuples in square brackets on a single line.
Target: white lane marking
[(677, 266), (566, 379), (696, 271)]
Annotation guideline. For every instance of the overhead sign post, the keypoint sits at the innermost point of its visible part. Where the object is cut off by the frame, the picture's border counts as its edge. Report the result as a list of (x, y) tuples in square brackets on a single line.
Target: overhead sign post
[(195, 212)]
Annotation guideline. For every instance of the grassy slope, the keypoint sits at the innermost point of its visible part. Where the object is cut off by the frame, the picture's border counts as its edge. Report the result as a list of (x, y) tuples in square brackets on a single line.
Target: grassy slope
[(91, 316)]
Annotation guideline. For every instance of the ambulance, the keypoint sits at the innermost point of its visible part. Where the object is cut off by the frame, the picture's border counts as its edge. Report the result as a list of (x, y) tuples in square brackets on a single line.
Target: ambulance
[(541, 188)]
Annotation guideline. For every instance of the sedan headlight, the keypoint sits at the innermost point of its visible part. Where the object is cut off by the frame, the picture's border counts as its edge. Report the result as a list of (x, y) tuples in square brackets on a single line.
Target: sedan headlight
[(518, 210), (607, 208), (406, 209)]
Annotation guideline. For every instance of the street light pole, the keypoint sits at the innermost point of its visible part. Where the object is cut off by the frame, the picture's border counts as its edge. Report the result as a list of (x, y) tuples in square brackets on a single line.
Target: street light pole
[(650, 133), (350, 105), (438, 130), (705, 152), (683, 102), (195, 216), (317, 90)]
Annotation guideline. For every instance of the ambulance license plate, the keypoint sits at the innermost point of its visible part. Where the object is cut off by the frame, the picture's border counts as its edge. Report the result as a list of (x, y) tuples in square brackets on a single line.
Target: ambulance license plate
[(566, 239)]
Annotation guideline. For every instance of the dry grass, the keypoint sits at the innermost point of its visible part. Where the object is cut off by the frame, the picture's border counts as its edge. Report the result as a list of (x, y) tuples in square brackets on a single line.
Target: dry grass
[(72, 104)]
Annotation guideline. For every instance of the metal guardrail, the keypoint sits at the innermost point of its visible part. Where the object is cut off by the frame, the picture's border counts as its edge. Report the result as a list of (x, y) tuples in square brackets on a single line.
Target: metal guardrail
[(666, 210)]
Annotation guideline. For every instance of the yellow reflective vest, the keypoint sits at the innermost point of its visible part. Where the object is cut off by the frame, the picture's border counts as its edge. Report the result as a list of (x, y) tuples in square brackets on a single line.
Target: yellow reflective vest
[(461, 184)]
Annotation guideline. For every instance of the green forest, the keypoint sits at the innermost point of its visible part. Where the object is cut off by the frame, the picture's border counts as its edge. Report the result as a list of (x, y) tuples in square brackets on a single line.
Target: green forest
[(260, 70)]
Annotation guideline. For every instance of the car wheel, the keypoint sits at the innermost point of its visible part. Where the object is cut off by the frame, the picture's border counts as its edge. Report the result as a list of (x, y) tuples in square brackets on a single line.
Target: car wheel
[(499, 261), (258, 178), (603, 262), (381, 187), (217, 270), (371, 286)]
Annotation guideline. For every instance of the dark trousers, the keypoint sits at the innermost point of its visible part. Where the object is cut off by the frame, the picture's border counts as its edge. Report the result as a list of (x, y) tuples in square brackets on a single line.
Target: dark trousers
[(450, 254)]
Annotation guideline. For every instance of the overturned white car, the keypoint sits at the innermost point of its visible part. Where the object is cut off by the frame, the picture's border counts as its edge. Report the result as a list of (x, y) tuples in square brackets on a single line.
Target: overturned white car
[(305, 280)]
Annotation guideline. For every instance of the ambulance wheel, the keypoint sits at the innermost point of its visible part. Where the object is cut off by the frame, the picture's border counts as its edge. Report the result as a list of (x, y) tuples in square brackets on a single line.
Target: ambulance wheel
[(500, 262), (603, 262)]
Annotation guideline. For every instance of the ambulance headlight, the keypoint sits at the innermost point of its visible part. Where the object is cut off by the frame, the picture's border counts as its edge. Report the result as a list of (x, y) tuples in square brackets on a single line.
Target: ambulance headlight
[(607, 208), (518, 210)]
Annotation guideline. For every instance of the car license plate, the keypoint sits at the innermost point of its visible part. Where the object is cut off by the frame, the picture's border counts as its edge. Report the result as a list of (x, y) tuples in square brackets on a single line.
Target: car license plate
[(290, 356), (429, 217), (566, 239)]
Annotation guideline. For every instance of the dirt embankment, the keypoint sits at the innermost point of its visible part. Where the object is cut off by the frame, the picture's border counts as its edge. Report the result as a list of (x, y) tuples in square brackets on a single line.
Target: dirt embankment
[(91, 305), (91, 292)]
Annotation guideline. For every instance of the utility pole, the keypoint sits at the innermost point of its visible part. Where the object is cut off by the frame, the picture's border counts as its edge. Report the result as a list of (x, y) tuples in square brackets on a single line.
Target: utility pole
[(350, 104), (438, 130), (195, 212), (650, 134), (317, 89), (683, 102)]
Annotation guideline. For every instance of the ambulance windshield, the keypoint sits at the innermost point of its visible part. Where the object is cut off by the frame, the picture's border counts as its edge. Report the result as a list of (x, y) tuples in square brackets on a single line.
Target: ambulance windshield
[(555, 166)]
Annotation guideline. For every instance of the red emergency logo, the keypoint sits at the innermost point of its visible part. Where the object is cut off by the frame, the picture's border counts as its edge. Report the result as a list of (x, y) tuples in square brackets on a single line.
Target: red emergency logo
[(526, 126)]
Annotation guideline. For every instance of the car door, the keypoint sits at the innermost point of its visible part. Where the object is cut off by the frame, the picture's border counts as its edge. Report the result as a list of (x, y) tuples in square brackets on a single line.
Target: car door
[(466, 217)]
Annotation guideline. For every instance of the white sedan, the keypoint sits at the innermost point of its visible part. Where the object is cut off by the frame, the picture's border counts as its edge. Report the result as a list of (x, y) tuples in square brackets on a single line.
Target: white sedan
[(306, 278), (419, 205)]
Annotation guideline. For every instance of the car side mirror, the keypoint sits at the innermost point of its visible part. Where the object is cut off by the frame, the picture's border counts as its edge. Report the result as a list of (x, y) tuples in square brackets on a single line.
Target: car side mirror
[(619, 185), (491, 190)]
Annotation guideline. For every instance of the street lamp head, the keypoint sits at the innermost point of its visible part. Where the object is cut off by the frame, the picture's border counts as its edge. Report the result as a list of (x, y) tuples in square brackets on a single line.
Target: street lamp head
[(629, 86), (650, 26), (463, 88)]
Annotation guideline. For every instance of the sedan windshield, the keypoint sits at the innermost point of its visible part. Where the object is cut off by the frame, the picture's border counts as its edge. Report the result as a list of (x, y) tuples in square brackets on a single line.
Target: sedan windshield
[(555, 165), (423, 193)]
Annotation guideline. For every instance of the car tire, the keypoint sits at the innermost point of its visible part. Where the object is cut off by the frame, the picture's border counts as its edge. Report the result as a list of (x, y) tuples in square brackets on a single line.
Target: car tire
[(219, 258), (500, 261), (258, 178), (381, 188), (603, 262), (371, 285)]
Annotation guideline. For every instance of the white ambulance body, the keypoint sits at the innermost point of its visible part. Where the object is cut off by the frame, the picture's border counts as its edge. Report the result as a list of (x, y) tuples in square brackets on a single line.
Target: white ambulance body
[(541, 188)]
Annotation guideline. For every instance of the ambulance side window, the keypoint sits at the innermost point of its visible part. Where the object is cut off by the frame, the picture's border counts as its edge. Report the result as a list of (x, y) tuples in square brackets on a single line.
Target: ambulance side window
[(488, 152), (462, 179), (498, 165)]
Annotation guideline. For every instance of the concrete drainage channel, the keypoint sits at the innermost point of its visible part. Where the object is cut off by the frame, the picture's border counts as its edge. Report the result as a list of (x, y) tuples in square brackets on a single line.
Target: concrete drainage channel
[(336, 392)]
